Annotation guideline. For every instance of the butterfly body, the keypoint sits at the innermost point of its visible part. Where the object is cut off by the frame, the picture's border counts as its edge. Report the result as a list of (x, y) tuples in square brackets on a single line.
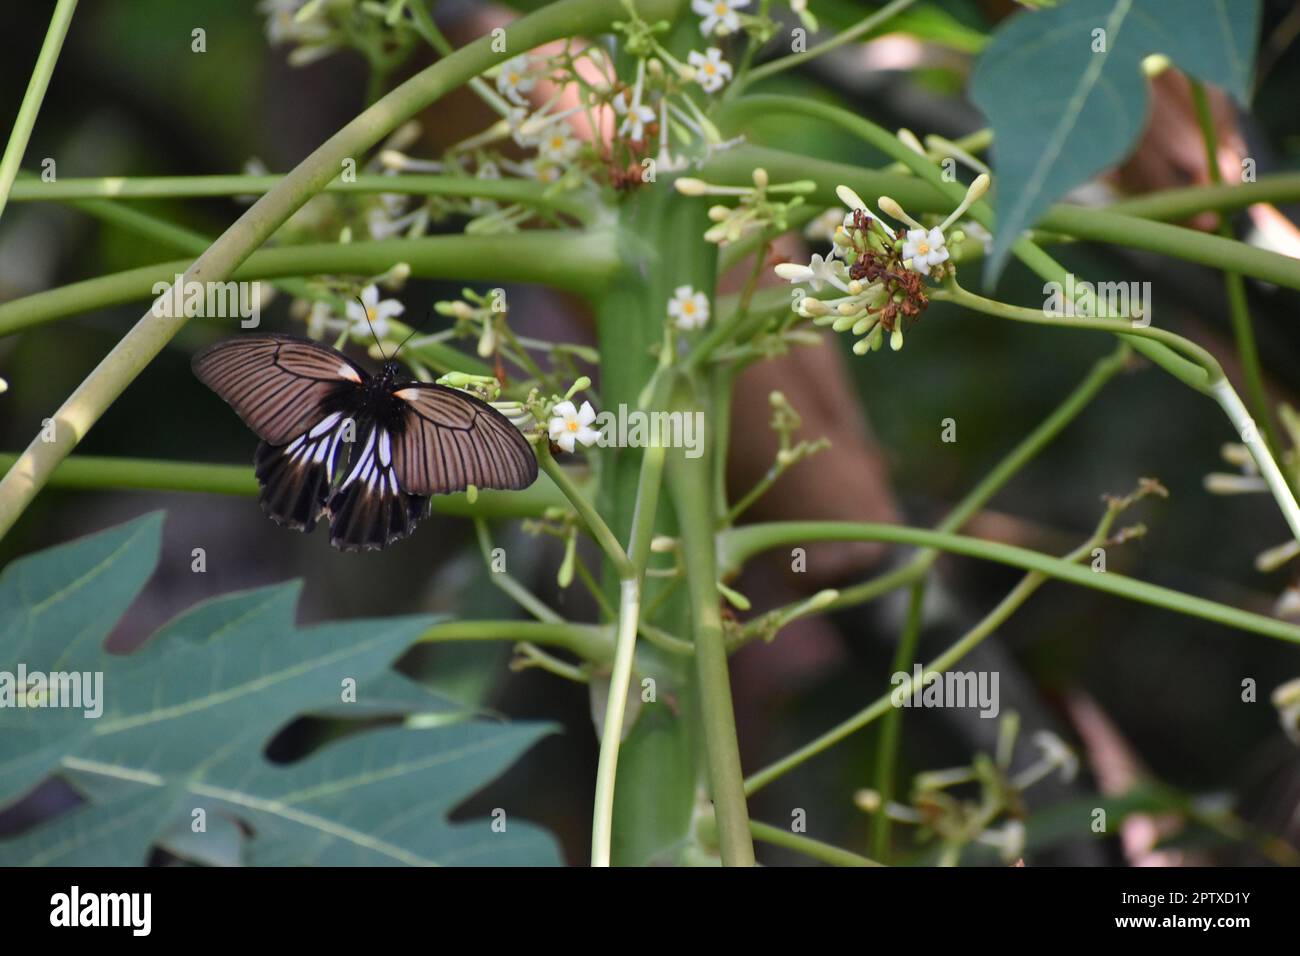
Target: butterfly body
[(364, 450)]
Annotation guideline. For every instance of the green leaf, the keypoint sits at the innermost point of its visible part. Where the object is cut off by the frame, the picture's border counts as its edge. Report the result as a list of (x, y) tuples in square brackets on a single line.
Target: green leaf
[(117, 832), (381, 799), (56, 609), (186, 718), (1066, 101)]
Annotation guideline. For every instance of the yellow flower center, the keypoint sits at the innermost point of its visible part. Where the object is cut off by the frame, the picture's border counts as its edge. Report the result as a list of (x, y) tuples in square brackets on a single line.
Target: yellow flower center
[(513, 79), (923, 247), (721, 10), (710, 69), (571, 424), (688, 307)]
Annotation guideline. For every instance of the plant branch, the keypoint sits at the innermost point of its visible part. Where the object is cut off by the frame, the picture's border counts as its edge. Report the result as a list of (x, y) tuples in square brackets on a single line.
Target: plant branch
[(35, 95)]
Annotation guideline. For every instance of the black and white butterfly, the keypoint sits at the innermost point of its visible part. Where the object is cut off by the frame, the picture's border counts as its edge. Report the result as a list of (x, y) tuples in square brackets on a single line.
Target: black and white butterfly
[(406, 440)]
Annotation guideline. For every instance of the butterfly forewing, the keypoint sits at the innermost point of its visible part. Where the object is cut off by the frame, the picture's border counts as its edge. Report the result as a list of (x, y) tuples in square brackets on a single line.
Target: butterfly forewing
[(281, 387), (452, 440)]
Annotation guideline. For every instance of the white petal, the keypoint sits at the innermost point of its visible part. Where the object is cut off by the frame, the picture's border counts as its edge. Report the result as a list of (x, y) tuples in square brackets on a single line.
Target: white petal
[(565, 441), (565, 410), (586, 415)]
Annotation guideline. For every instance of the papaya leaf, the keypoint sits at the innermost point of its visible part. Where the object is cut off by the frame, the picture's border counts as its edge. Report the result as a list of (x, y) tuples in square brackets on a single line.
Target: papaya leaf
[(181, 725), (1064, 91)]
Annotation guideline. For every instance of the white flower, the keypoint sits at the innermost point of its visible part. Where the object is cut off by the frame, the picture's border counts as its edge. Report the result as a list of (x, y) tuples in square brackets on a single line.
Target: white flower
[(375, 313), (571, 424), (719, 15), (558, 145), (925, 249), (825, 225), (635, 118), (513, 81), (282, 25), (687, 308), (817, 273), (711, 71), (519, 120)]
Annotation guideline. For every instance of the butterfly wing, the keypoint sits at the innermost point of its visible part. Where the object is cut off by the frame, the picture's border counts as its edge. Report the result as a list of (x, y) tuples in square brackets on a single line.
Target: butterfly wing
[(279, 385), (298, 397), (453, 440), (427, 440), (371, 509)]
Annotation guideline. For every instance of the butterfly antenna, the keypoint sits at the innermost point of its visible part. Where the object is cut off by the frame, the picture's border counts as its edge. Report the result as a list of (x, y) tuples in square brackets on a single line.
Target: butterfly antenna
[(366, 311), (405, 340)]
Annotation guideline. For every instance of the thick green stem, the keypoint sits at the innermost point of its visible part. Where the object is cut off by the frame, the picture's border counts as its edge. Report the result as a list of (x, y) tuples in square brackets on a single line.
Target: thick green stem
[(691, 487), (95, 473), (577, 261), (31, 104)]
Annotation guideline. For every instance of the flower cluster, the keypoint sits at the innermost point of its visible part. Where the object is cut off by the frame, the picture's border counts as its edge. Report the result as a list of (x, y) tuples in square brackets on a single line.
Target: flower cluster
[(957, 821), (881, 274)]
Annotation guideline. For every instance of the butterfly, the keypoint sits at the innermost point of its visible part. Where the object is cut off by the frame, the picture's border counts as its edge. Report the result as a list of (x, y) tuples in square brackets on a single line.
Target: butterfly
[(405, 440)]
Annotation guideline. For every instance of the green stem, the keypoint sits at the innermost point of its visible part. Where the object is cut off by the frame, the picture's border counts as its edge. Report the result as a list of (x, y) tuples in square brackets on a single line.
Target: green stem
[(1235, 285), (32, 189), (35, 95), (885, 703), (595, 524), (1025, 451), (95, 473), (577, 261), (1190, 363), (691, 489), (816, 849), (891, 729), (508, 584), (588, 642), (866, 25), (611, 737), (134, 352), (629, 618), (737, 545), (1184, 202)]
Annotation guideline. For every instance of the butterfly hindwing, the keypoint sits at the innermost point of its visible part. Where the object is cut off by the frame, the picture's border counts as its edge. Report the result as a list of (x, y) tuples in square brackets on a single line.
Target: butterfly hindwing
[(452, 440), (371, 509), (296, 478)]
